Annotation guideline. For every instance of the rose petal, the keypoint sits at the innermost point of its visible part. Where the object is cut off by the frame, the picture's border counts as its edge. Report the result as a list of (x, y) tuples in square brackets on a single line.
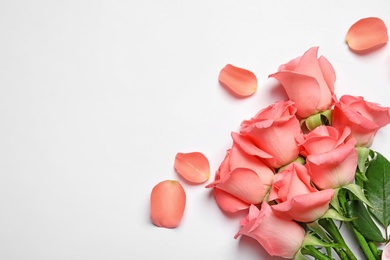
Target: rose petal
[(167, 204), (248, 147), (367, 34), (194, 167), (335, 168), (386, 252), (306, 207), (328, 72), (301, 87), (246, 185), (240, 81), (228, 202)]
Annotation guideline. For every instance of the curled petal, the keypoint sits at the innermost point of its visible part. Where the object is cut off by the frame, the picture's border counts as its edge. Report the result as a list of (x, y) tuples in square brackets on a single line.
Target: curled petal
[(194, 167), (335, 168), (247, 146), (167, 204), (367, 34), (240, 81), (306, 207), (300, 87), (228, 202), (278, 236), (328, 72), (240, 159), (246, 185)]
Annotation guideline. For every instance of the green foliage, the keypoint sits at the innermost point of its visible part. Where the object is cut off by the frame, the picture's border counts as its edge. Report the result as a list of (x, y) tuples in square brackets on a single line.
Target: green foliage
[(363, 222), (377, 189)]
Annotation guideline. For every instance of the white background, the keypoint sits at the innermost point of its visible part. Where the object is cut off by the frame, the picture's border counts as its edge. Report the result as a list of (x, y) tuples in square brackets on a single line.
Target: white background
[(97, 97)]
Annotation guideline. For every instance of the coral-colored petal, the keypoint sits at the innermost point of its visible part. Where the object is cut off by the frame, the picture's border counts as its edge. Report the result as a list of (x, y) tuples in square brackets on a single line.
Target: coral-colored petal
[(306, 207), (240, 81), (300, 87), (248, 147), (167, 204), (240, 159), (328, 72), (194, 167), (228, 202), (246, 185), (367, 34)]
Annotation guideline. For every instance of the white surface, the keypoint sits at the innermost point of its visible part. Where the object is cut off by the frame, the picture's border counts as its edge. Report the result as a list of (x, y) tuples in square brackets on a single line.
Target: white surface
[(97, 97)]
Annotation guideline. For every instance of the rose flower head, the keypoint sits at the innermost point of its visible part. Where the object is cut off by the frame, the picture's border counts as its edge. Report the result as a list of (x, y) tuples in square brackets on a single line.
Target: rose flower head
[(309, 82), (362, 117), (278, 236), (331, 157), (241, 180), (296, 197), (271, 134)]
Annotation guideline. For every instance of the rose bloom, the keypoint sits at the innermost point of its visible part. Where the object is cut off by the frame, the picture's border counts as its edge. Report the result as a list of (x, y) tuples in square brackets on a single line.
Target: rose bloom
[(271, 134), (363, 118), (296, 197), (386, 252), (309, 82), (331, 158), (240, 181), (278, 236)]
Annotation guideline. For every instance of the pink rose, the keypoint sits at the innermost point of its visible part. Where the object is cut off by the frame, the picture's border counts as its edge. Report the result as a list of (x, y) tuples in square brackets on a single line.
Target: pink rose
[(278, 236), (240, 181), (309, 82), (271, 134), (364, 118), (331, 159), (297, 199), (386, 252)]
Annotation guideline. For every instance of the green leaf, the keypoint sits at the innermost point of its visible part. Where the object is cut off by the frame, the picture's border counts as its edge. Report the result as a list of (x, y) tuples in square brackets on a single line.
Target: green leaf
[(377, 188), (363, 222)]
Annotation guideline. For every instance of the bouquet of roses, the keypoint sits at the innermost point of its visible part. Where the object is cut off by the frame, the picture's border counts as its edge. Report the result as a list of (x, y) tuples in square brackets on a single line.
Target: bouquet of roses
[(300, 167)]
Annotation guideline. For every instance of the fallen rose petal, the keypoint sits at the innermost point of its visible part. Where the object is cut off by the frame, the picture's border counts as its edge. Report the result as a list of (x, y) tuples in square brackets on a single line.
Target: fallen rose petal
[(167, 204), (367, 34), (194, 167), (240, 81)]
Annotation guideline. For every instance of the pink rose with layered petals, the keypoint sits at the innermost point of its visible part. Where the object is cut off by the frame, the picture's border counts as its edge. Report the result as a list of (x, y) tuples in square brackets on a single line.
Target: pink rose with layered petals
[(309, 82), (364, 118), (240, 181), (271, 134), (331, 158), (386, 252), (297, 199), (278, 236)]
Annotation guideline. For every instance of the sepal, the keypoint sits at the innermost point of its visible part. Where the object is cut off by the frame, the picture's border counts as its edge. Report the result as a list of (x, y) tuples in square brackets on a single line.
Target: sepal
[(322, 118), (333, 214), (363, 154), (358, 192)]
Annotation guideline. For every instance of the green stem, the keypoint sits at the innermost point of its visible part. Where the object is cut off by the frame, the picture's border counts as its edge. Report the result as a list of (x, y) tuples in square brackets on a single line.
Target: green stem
[(332, 229), (363, 245), (311, 250), (374, 250)]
